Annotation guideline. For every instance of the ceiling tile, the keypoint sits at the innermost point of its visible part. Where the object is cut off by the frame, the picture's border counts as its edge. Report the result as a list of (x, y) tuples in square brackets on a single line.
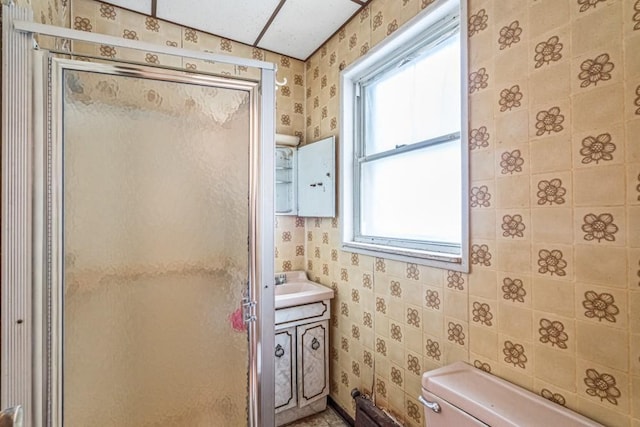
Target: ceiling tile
[(302, 26), (142, 6), (240, 20)]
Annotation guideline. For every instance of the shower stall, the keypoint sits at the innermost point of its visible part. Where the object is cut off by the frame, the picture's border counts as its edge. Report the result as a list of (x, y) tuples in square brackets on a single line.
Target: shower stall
[(137, 238)]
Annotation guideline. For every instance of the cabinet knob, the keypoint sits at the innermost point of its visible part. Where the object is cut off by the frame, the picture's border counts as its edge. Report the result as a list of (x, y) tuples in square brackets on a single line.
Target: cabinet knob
[(315, 344), (279, 351)]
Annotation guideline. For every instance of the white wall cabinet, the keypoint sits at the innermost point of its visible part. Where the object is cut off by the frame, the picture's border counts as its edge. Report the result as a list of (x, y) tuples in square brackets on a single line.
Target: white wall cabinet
[(302, 361), (286, 173), (305, 179)]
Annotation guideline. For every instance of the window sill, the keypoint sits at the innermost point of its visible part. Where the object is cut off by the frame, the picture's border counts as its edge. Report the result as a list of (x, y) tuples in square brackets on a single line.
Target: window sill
[(454, 262)]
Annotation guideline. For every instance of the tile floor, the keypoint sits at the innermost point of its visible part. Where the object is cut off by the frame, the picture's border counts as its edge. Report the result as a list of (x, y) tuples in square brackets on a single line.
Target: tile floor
[(326, 418)]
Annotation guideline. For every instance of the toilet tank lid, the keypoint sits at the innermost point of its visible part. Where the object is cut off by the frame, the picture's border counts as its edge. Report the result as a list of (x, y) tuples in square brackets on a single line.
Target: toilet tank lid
[(495, 401)]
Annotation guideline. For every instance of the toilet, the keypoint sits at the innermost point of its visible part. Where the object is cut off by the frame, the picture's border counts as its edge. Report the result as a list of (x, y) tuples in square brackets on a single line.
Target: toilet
[(463, 396)]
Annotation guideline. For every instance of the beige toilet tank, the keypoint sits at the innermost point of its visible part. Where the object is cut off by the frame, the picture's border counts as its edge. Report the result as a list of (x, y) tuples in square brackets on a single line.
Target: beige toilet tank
[(462, 396)]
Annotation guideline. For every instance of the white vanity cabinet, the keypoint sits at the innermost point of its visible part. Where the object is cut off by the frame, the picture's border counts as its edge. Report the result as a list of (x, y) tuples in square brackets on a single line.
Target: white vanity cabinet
[(301, 360), (305, 179)]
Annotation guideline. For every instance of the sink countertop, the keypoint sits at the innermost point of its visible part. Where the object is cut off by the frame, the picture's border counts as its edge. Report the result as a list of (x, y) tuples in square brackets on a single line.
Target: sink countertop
[(299, 290)]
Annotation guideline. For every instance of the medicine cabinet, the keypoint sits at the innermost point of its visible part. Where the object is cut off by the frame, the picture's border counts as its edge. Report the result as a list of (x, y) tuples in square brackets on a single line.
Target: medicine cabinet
[(305, 179)]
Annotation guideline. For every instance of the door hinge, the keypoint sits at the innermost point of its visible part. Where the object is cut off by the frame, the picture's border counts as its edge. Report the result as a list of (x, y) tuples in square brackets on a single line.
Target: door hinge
[(248, 310)]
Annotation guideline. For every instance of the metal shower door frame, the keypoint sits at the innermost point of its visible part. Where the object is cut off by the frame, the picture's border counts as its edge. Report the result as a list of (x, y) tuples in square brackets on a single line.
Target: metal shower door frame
[(29, 260)]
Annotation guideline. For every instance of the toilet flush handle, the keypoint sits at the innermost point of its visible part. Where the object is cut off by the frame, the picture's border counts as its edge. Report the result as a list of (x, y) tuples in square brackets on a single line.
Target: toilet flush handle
[(431, 405)]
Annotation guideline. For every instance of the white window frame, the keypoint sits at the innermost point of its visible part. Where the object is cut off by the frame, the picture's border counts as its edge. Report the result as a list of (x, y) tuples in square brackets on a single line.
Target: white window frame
[(413, 35)]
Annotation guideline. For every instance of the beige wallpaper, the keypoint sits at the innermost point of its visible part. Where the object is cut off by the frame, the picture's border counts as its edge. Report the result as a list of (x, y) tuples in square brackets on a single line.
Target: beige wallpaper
[(552, 302), (290, 243), (55, 12)]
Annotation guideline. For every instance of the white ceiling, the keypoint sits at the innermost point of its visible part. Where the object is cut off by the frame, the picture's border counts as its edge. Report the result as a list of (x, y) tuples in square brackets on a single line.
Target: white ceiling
[(294, 28)]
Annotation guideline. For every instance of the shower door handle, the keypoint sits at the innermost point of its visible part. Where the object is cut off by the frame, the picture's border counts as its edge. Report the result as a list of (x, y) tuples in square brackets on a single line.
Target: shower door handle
[(12, 417)]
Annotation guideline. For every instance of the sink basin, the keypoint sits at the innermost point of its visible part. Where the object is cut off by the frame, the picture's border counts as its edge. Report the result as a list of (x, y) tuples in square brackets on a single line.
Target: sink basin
[(299, 290), (295, 287)]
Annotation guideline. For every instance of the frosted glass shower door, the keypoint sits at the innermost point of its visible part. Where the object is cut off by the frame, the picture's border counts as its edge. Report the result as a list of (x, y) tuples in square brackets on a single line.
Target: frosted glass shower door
[(156, 177)]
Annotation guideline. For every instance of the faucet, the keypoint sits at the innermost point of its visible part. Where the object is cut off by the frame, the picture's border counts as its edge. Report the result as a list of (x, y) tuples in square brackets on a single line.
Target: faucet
[(281, 279)]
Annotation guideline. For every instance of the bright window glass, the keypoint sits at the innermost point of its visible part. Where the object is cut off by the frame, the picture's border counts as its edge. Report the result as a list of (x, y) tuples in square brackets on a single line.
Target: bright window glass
[(415, 102), (414, 195), (409, 162)]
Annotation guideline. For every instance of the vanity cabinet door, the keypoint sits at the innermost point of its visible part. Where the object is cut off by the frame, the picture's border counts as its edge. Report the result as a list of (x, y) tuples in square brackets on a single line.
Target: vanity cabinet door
[(285, 369), (313, 362)]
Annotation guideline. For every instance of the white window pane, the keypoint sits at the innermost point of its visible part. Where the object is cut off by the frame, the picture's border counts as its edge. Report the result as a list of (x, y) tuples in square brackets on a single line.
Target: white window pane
[(415, 195), (419, 102)]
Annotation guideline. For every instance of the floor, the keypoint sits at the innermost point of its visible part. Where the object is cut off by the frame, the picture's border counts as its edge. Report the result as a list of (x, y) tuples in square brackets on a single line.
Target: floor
[(326, 418)]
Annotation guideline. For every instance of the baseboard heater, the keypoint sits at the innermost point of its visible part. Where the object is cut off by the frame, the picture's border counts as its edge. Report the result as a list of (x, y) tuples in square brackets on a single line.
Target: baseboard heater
[(368, 414)]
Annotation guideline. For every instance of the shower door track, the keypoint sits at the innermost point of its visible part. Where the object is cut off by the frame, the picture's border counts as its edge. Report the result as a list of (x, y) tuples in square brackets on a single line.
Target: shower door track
[(24, 383)]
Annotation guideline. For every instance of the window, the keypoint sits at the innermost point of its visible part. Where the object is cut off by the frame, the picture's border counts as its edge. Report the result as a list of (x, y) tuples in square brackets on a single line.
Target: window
[(404, 145)]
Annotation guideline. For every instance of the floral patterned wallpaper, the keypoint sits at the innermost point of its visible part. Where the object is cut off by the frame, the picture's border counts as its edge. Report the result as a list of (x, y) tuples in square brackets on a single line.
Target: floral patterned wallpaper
[(553, 296), (54, 12)]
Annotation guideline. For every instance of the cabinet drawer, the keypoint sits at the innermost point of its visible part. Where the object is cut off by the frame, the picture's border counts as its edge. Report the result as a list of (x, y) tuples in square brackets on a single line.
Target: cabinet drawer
[(285, 370), (303, 313), (313, 362)]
